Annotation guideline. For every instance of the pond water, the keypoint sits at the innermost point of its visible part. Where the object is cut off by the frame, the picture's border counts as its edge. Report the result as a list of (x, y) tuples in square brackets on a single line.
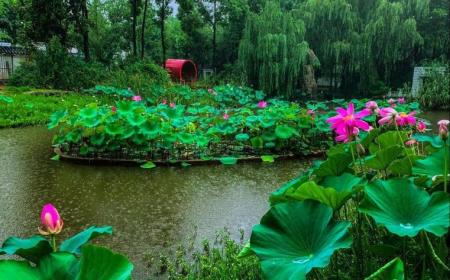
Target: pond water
[(150, 210)]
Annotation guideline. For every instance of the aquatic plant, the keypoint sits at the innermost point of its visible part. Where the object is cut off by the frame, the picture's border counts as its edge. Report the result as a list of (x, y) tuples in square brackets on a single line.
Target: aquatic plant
[(74, 258), (391, 193)]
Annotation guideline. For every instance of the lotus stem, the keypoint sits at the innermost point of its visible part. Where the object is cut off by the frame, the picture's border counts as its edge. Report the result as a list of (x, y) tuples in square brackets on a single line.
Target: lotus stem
[(403, 143), (53, 242), (434, 256), (446, 155)]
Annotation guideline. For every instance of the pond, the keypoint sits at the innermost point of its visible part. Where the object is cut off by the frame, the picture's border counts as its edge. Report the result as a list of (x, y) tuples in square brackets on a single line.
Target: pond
[(151, 211)]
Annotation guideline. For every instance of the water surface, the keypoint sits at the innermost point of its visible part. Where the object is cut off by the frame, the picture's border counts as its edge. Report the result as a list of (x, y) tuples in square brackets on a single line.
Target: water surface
[(150, 210)]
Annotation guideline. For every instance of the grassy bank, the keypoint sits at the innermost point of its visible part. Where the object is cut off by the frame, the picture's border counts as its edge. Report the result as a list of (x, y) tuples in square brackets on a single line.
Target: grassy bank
[(23, 106)]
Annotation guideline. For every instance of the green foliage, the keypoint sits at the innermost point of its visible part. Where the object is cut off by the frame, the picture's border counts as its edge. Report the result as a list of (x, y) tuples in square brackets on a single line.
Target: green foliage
[(75, 259), (215, 261), (273, 50), (435, 92)]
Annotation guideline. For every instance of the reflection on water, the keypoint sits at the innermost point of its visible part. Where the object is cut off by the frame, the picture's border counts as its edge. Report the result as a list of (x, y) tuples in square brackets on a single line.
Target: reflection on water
[(435, 116), (148, 209)]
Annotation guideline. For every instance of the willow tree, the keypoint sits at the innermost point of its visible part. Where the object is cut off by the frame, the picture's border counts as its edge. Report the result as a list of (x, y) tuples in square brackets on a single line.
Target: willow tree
[(391, 37), (273, 50), (331, 31)]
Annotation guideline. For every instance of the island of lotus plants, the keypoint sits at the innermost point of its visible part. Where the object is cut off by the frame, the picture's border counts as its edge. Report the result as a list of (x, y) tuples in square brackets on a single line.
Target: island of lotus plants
[(376, 208), (182, 125)]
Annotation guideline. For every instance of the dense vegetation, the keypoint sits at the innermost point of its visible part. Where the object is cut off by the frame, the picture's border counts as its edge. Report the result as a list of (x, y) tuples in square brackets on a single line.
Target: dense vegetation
[(369, 47)]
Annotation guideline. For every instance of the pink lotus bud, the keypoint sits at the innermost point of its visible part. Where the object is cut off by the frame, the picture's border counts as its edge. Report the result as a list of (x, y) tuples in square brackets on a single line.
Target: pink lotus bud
[(51, 221), (164, 102), (401, 100), (262, 104), (392, 102), (310, 112), (226, 116), (372, 105), (421, 127), (411, 142), (172, 105), (136, 98), (114, 109), (443, 129)]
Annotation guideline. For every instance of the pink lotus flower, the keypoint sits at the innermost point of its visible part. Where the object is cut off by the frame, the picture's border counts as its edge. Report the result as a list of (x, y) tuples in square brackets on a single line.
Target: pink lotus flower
[(347, 135), (310, 112), (137, 98), (164, 102), (401, 100), (392, 102), (421, 127), (347, 118), (262, 104), (51, 221), (211, 91), (172, 105), (443, 129), (411, 142), (404, 119), (388, 116), (114, 109), (373, 107), (226, 116)]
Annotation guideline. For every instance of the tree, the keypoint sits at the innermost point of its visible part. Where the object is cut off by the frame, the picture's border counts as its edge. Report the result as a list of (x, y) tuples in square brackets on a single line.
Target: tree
[(9, 20), (163, 12), (144, 17), (79, 15), (135, 9), (212, 11), (273, 50)]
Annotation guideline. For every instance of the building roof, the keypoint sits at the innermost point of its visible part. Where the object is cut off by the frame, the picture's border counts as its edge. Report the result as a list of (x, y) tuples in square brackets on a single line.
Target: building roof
[(12, 51)]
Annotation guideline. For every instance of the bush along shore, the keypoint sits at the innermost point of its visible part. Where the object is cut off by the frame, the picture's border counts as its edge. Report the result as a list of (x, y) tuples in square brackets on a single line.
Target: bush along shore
[(182, 125)]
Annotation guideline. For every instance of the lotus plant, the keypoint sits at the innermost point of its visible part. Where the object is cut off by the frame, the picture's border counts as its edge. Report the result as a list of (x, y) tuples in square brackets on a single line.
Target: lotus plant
[(262, 104), (136, 98), (51, 221), (421, 127)]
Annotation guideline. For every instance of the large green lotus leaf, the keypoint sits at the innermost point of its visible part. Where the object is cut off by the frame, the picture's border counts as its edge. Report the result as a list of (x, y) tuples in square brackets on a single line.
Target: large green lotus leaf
[(242, 137), (401, 166), (99, 263), (32, 249), (202, 140), (135, 119), (6, 99), (90, 122), (74, 136), (17, 270), (150, 129), (328, 196), (384, 157), (269, 136), (435, 141), (125, 107), (405, 209), (295, 237), (345, 182), (257, 142), (98, 139), (127, 132), (284, 131), (74, 243), (88, 113), (186, 138), (59, 265), (56, 117), (387, 139), (228, 160), (280, 194), (335, 165), (114, 129), (393, 270), (432, 165)]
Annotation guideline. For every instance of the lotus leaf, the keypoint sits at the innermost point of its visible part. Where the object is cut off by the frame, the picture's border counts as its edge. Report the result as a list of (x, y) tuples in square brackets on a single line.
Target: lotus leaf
[(242, 137), (148, 165), (432, 165), (405, 209), (284, 131), (32, 249), (267, 158), (74, 243), (135, 119), (295, 237), (228, 160)]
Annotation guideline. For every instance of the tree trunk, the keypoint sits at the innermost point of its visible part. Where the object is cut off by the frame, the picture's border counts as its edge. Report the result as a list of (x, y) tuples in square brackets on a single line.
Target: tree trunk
[(163, 39), (143, 30), (214, 26), (85, 30), (133, 31)]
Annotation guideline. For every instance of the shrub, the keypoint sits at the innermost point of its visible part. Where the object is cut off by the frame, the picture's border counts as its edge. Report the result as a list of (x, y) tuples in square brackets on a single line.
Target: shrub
[(435, 92), (55, 68)]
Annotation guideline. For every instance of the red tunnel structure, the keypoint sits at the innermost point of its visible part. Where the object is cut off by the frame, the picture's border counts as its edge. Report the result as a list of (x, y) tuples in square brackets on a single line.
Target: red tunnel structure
[(181, 70)]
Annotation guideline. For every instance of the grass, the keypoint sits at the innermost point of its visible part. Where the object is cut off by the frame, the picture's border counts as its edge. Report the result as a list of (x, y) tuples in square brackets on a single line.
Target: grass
[(24, 106)]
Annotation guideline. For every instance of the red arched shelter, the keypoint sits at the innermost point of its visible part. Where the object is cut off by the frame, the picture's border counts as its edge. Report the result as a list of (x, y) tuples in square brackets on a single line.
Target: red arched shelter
[(181, 70)]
